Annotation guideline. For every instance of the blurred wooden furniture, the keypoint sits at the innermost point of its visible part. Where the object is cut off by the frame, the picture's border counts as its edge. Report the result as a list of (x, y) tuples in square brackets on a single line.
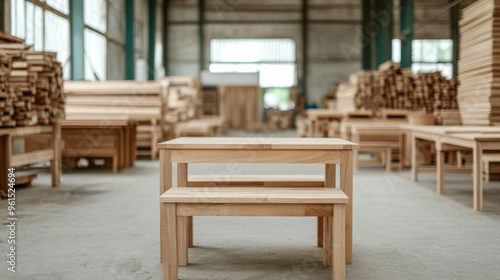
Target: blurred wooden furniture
[(142, 102), (320, 121), (178, 204), (113, 140), (476, 139), (327, 151), (52, 153), (377, 137)]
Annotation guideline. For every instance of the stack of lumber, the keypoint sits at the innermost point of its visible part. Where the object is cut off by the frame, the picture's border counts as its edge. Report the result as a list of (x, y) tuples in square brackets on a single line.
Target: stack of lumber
[(30, 87), (142, 102), (184, 98), (391, 87), (6, 38), (345, 97), (479, 72), (241, 106), (185, 110)]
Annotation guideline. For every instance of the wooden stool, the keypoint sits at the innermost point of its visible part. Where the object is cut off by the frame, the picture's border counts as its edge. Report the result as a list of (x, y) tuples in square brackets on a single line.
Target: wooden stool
[(180, 203)]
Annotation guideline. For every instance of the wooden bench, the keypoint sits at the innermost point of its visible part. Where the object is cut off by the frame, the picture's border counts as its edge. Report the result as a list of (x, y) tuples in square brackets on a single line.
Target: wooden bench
[(178, 204)]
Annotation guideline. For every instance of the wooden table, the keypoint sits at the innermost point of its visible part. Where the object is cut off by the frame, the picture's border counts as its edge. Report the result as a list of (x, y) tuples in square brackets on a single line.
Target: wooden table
[(319, 118), (110, 139), (327, 151), (52, 154), (445, 138), (382, 136)]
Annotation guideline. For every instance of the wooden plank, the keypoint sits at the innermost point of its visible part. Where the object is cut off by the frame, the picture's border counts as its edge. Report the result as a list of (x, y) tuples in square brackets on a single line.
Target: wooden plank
[(32, 157), (245, 209), (252, 195), (257, 156)]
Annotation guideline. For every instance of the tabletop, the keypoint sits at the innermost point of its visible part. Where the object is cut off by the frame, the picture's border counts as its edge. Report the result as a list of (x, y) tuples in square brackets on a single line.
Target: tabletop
[(241, 143)]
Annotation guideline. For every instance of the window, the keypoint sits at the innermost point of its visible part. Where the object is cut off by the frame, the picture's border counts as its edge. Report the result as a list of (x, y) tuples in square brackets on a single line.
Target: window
[(45, 26), (95, 55), (428, 55), (273, 59), (57, 39)]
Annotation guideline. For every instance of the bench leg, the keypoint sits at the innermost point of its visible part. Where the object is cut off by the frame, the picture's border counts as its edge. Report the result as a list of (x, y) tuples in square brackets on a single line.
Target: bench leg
[(115, 163), (170, 248), (182, 246), (339, 239), (414, 159), (327, 241)]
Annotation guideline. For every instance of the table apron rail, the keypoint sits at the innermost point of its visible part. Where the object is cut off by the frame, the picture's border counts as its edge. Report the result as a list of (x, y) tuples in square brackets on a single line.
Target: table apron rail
[(257, 156), (251, 209)]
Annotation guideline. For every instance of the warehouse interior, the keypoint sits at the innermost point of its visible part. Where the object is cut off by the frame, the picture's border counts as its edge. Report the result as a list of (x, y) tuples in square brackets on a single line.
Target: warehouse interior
[(115, 112)]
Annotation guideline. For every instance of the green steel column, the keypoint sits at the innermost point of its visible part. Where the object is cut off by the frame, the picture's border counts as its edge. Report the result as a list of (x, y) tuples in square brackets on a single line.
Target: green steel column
[(383, 33), (406, 31), (166, 4), (305, 9), (455, 36), (129, 40), (152, 41), (2, 13), (76, 32), (367, 36), (201, 34)]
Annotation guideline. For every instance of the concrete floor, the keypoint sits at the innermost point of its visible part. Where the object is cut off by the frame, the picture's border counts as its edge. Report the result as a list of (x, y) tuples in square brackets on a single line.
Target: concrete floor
[(100, 225)]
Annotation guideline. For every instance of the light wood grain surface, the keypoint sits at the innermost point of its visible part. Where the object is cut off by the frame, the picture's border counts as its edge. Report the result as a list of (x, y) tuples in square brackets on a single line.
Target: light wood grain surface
[(257, 143), (250, 195)]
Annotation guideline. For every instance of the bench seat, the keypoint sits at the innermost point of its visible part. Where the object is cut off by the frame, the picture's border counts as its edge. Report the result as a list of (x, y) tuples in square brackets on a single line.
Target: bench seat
[(177, 204)]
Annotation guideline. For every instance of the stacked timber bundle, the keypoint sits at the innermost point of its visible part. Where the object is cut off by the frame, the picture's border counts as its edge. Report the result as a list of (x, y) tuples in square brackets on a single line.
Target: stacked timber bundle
[(479, 71), (448, 117), (30, 87), (394, 88), (345, 97), (184, 98)]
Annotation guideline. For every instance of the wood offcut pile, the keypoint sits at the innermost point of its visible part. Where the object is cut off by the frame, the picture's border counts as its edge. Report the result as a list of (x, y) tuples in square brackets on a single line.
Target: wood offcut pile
[(30, 87), (186, 108), (391, 87), (479, 71)]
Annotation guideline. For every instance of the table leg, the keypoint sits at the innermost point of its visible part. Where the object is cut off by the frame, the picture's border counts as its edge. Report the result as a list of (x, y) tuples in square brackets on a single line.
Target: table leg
[(5, 154), (55, 164), (440, 169), (165, 184), (182, 176), (170, 249), (339, 242), (182, 246), (320, 229), (330, 175), (327, 241), (346, 184), (478, 172), (414, 158)]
